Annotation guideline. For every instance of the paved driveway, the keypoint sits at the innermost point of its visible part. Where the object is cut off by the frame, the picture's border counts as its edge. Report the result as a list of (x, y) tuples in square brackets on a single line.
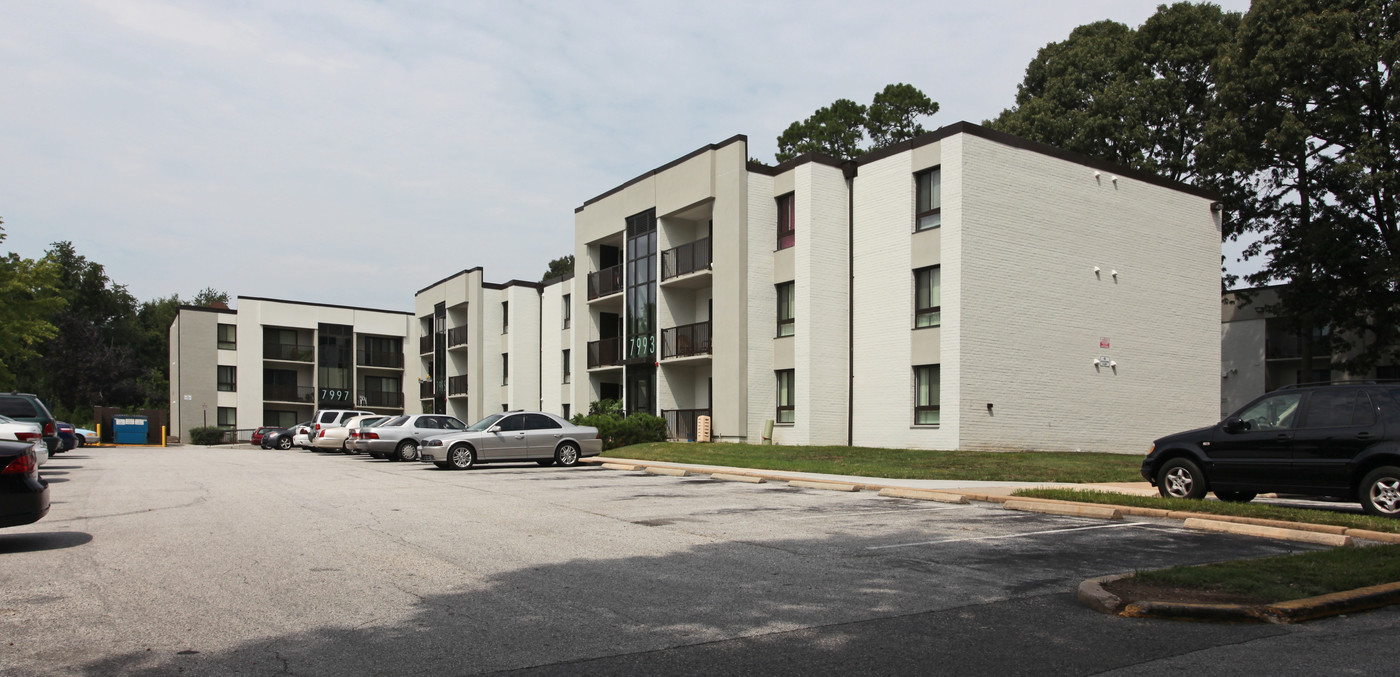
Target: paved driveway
[(215, 561)]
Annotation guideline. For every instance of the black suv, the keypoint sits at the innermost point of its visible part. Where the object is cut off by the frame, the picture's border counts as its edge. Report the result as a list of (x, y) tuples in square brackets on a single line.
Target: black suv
[(26, 407), (1338, 439)]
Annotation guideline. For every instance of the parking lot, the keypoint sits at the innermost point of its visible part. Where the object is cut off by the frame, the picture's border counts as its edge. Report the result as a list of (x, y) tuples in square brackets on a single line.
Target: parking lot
[(214, 561)]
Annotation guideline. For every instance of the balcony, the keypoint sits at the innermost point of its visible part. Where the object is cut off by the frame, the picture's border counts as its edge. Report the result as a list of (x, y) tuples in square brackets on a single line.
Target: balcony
[(457, 386), (605, 282), (685, 259), (289, 352), (457, 336), (425, 390), (381, 399), (605, 353), (687, 340), (298, 394), (376, 358), (425, 344), (1291, 347), (681, 422)]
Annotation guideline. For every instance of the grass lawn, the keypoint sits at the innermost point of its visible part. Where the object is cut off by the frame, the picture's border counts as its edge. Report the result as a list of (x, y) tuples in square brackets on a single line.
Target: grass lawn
[(1287, 577), (1349, 520), (1028, 466)]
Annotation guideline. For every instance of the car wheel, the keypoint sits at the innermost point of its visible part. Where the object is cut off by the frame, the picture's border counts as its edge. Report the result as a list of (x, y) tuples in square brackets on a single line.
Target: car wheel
[(546, 462), (1180, 478), (566, 455), (1235, 496), (346, 450), (82, 441), (461, 457), (407, 451), (285, 443), (1380, 492)]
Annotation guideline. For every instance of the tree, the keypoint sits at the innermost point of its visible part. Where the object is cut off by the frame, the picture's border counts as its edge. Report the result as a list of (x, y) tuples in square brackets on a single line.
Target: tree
[(30, 300), (559, 267), (839, 129), (208, 296)]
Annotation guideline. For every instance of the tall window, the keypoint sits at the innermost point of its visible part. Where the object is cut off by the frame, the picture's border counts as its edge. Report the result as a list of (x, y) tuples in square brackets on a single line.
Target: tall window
[(926, 394), (568, 310), (228, 379), (927, 297), (228, 417), (787, 221), (786, 396), (568, 369), (785, 309), (505, 317), (505, 368), (566, 411), (929, 199), (228, 337)]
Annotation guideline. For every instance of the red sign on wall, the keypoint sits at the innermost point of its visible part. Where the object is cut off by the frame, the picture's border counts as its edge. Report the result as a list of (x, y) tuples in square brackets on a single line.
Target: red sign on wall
[(1103, 342)]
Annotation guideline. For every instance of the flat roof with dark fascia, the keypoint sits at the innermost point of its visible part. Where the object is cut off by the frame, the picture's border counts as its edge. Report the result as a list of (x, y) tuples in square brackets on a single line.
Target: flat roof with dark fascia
[(208, 309), (327, 305), (456, 274), (737, 138), (557, 279)]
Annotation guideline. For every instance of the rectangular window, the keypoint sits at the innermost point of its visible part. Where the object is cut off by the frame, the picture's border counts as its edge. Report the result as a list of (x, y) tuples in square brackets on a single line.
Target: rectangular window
[(928, 204), (505, 317), (228, 337), (228, 379), (568, 310), (568, 369), (785, 309), (566, 411), (787, 221), (928, 311), (505, 368), (786, 396), (926, 394), (228, 417)]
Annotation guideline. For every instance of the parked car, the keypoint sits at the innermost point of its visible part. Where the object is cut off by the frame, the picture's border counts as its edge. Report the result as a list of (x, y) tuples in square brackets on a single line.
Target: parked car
[(257, 437), (67, 435), (398, 438), (24, 431), (27, 407), (330, 418), (24, 496), (284, 438), (337, 438), (356, 441), (301, 435), (1338, 440), (86, 437), (514, 436)]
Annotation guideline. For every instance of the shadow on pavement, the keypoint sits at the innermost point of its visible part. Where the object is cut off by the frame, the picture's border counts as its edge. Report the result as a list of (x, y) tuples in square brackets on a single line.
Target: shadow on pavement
[(35, 542)]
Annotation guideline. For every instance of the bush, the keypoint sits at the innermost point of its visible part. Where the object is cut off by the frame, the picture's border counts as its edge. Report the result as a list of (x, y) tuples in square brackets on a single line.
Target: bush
[(617, 431), (207, 435)]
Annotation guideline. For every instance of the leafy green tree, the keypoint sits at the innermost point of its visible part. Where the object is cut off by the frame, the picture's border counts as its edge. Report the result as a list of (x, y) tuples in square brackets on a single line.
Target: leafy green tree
[(208, 296), (894, 115), (559, 267), (838, 130), (28, 302)]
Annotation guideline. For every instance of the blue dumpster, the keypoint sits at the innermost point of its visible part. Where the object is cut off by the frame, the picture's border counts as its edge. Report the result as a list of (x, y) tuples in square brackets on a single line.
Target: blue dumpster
[(129, 429)]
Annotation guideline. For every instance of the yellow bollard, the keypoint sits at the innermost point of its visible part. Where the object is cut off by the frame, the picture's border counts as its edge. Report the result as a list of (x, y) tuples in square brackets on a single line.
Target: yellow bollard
[(162, 436), (99, 434)]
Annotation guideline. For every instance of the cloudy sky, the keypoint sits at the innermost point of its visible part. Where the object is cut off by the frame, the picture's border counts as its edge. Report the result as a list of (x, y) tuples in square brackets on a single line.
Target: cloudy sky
[(353, 152)]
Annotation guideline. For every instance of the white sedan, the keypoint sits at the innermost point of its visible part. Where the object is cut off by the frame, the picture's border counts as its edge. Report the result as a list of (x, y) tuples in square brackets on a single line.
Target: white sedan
[(24, 431)]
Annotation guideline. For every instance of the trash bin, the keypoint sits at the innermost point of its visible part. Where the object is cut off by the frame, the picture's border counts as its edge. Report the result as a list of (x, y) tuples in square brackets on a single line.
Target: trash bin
[(129, 429)]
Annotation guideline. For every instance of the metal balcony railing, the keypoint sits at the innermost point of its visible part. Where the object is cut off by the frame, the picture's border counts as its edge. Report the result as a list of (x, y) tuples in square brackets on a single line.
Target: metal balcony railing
[(299, 394), (291, 352), (604, 282), (605, 353), (686, 340), (682, 422), (1289, 347), (425, 390), (381, 399), (457, 336), (457, 385), (379, 358), (425, 344), (685, 259)]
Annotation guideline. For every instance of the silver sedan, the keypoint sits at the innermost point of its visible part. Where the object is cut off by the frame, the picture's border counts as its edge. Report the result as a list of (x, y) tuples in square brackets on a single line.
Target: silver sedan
[(514, 436), (398, 438)]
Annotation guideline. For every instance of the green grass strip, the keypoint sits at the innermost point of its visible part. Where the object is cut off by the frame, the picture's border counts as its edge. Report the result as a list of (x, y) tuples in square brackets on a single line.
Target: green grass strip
[(1028, 466), (1276, 512), (1287, 577)]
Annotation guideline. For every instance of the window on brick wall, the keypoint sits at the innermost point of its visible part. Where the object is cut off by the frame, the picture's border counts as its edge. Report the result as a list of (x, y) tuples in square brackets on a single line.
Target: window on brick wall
[(786, 297), (228, 379), (787, 221), (505, 368), (926, 381), (786, 397), (228, 337), (568, 310), (505, 317), (228, 417), (928, 205), (568, 374), (927, 297)]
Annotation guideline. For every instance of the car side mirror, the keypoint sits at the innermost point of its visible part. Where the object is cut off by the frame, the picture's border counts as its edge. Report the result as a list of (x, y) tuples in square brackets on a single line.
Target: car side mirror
[(494, 429), (1235, 424)]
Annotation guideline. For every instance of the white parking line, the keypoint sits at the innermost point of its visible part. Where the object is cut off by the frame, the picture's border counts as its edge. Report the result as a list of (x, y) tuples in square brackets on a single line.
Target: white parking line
[(872, 512), (1029, 533)]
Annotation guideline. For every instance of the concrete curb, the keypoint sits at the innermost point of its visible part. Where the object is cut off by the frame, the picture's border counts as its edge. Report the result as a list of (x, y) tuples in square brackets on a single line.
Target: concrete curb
[(1298, 535), (1095, 511), (670, 472), (737, 478), (828, 486), (924, 495), (1092, 595)]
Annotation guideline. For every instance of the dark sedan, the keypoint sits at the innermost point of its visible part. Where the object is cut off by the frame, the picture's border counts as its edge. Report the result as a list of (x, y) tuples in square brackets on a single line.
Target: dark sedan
[(67, 436), (281, 438), (24, 496)]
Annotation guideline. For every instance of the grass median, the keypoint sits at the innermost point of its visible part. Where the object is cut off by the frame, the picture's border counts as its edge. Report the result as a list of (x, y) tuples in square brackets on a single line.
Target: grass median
[(1027, 466), (1260, 510)]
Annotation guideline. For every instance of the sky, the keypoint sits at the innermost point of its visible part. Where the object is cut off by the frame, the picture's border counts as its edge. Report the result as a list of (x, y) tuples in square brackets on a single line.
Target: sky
[(353, 152)]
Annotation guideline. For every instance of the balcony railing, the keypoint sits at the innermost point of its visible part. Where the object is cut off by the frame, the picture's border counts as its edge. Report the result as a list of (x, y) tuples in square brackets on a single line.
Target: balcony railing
[(457, 385), (380, 399), (686, 340), (302, 394), (425, 390), (604, 282), (290, 352), (681, 422), (1288, 347), (425, 344), (605, 353), (457, 336), (686, 258), (379, 358)]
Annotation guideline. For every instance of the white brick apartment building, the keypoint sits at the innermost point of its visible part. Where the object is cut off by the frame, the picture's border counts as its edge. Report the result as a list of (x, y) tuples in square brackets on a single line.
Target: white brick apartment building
[(274, 362), (966, 289)]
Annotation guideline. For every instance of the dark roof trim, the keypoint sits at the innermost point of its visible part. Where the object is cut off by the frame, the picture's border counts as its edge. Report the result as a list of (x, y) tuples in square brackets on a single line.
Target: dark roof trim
[(817, 158), (737, 138), (327, 305), (463, 272), (513, 283), (207, 309), (557, 280)]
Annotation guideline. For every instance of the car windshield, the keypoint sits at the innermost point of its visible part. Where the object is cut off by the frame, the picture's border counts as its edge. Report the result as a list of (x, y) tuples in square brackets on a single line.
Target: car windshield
[(484, 423)]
